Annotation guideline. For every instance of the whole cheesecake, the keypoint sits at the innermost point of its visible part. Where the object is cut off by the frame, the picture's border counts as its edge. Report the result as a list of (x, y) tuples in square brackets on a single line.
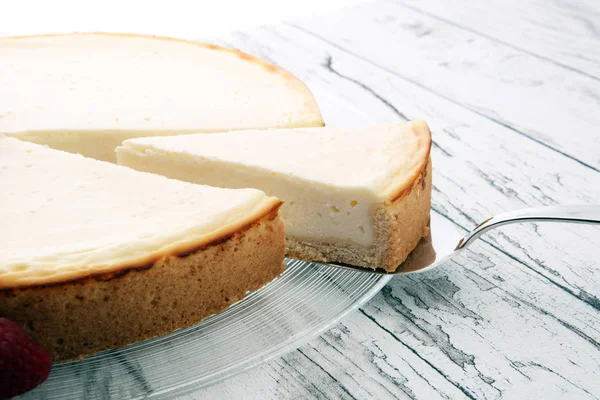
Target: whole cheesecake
[(95, 255), (358, 196), (87, 92)]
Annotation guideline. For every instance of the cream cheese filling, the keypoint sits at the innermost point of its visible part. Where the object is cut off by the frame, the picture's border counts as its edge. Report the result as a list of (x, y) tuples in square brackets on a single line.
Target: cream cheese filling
[(311, 209)]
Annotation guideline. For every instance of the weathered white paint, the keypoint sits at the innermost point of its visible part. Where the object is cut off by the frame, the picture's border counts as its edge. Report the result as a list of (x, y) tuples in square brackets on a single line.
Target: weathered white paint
[(561, 32), (545, 101)]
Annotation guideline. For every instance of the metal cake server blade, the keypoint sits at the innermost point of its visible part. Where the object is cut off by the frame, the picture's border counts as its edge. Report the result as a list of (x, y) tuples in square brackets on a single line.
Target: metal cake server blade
[(444, 241)]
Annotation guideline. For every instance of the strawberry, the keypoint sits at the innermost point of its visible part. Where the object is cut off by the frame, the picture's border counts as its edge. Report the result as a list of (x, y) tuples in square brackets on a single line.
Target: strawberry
[(23, 363)]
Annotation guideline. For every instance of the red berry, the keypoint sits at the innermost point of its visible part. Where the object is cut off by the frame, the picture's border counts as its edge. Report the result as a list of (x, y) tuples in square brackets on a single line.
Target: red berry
[(23, 363)]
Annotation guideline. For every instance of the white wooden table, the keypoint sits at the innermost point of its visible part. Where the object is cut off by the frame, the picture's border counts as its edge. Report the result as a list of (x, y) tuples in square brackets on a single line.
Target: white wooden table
[(511, 90)]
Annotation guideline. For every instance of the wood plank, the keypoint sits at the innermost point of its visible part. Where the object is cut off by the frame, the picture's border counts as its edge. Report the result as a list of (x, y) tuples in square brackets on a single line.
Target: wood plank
[(351, 361), (563, 32), (489, 324), (542, 101), (476, 325), (492, 329)]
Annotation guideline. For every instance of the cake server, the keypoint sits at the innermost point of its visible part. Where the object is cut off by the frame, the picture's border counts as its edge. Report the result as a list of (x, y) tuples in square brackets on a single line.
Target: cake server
[(444, 241)]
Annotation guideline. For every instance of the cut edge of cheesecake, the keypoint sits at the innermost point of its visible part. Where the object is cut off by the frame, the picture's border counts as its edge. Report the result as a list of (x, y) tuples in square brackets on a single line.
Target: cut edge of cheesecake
[(398, 226), (399, 223), (113, 309)]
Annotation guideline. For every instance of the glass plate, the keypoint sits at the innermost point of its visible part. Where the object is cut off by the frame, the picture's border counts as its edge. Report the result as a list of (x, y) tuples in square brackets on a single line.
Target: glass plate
[(305, 301)]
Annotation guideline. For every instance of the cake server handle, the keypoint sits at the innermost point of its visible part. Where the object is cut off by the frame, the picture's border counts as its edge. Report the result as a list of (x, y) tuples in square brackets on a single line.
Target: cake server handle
[(582, 214)]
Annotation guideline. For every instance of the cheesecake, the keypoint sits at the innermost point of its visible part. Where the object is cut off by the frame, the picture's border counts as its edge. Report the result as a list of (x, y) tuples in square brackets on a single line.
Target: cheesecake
[(359, 196), (95, 255), (87, 92)]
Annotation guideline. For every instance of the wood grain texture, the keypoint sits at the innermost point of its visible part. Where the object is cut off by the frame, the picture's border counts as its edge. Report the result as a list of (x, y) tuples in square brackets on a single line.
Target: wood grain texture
[(542, 101), (515, 317), (347, 362), (561, 32)]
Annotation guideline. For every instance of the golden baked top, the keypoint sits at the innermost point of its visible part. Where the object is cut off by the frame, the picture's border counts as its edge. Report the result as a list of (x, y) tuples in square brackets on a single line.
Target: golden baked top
[(383, 159), (57, 88), (64, 216)]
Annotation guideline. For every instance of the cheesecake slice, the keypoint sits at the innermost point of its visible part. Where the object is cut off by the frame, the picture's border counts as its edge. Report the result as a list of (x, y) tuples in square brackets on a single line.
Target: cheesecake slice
[(358, 196), (87, 92), (96, 256)]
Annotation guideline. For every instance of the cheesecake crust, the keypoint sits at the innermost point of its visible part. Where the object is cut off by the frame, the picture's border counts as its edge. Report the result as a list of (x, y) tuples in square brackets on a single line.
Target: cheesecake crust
[(81, 317)]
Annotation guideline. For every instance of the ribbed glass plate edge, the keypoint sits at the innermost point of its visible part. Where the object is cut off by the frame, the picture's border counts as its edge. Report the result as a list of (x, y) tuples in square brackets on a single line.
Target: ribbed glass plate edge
[(298, 341), (304, 302)]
